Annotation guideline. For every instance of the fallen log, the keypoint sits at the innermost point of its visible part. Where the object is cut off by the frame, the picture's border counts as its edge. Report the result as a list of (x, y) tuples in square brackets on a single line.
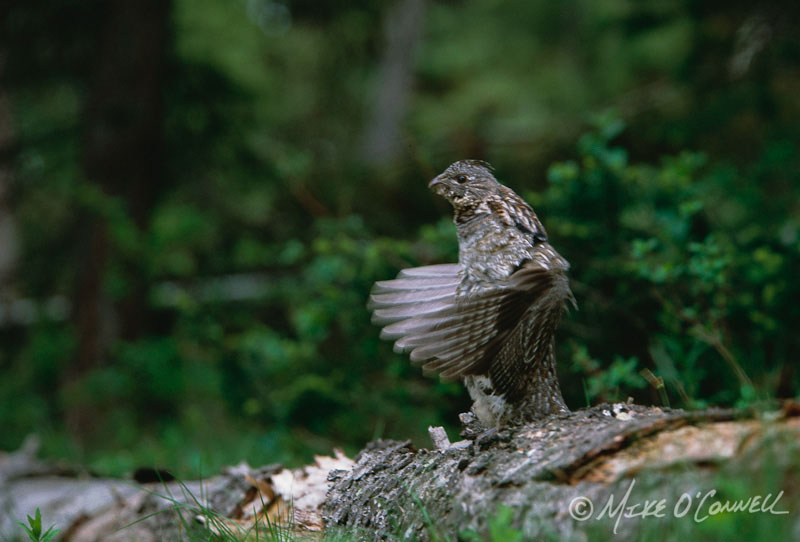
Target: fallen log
[(621, 471)]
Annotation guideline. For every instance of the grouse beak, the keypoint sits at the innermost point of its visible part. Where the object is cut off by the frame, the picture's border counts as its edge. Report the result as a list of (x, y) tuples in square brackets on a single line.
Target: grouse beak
[(435, 182)]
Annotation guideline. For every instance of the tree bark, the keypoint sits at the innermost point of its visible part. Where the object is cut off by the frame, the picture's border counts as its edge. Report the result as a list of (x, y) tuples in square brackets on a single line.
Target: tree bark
[(519, 483), (528, 478)]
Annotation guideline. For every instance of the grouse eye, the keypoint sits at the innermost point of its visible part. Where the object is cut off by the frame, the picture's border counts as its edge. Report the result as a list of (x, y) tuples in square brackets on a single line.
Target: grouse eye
[(461, 179)]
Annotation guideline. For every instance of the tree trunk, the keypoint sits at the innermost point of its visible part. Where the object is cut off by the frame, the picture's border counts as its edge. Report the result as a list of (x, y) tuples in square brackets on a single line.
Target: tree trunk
[(8, 225), (123, 158), (402, 30)]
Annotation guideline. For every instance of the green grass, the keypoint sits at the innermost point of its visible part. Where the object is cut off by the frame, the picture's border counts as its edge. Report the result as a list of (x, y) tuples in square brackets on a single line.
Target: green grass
[(199, 523), (34, 529), (209, 525)]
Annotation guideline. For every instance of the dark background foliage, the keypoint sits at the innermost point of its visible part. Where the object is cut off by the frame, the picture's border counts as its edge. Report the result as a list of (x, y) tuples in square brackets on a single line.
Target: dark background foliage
[(196, 196)]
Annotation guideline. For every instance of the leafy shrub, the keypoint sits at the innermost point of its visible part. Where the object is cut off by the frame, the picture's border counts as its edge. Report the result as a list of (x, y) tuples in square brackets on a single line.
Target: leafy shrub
[(674, 271)]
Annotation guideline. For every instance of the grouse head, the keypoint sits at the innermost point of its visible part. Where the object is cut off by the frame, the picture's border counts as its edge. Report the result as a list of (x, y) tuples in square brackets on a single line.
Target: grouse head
[(465, 183)]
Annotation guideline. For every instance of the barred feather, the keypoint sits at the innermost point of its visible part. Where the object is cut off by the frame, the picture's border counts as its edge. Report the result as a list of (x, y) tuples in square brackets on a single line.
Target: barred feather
[(491, 318)]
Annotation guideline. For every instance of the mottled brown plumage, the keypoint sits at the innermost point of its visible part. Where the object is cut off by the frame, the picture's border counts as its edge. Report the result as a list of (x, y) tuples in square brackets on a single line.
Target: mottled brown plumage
[(491, 318)]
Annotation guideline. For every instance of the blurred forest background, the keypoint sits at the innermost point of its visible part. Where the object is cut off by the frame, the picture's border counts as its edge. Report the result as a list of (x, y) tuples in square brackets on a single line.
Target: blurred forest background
[(197, 195)]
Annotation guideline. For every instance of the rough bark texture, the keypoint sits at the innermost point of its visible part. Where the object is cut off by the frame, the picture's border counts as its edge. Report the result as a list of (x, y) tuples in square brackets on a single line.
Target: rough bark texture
[(538, 470), (524, 478)]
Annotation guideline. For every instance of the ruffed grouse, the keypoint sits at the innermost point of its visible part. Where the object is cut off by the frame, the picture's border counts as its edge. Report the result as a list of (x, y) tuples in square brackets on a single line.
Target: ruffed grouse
[(491, 318)]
